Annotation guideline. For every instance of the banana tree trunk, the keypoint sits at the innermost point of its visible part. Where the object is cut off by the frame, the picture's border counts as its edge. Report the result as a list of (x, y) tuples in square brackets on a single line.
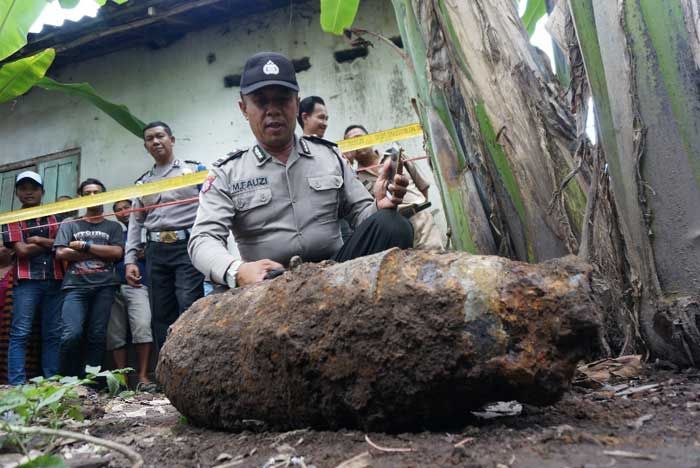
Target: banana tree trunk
[(642, 59), (468, 219), (499, 121)]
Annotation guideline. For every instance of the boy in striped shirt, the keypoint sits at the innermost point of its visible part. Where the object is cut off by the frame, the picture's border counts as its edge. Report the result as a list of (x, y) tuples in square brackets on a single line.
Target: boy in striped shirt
[(37, 287)]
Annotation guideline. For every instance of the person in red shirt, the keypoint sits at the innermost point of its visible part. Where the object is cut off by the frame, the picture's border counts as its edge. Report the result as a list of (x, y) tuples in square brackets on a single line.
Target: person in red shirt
[(37, 287)]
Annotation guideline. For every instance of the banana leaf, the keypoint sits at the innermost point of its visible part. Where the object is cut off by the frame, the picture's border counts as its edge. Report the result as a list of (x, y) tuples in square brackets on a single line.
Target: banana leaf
[(68, 4), (16, 17), (119, 112), (336, 15), (102, 2), (16, 78), (535, 10)]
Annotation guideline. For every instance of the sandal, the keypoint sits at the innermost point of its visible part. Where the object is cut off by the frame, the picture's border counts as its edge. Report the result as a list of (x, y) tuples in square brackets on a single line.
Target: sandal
[(147, 387)]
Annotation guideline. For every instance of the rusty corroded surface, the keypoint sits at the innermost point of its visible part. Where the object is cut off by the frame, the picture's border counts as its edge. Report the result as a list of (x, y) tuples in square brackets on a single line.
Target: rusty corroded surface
[(396, 341)]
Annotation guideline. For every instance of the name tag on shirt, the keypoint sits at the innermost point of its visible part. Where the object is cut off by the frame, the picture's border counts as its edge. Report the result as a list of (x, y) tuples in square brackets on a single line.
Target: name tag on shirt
[(245, 185)]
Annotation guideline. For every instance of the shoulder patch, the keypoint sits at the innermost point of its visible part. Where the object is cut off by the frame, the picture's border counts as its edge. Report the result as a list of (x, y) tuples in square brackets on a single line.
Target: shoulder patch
[(321, 141), (304, 146), (229, 157)]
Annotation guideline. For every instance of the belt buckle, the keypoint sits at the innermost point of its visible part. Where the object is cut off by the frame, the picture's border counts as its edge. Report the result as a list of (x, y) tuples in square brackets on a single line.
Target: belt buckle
[(168, 237)]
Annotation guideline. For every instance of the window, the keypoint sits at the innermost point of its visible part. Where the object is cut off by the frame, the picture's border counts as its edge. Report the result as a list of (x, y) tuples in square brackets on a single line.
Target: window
[(59, 170)]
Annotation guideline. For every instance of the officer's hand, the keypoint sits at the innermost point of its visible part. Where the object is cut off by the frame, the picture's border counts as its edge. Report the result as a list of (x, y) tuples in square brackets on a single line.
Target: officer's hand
[(397, 187), (254, 272), (133, 275)]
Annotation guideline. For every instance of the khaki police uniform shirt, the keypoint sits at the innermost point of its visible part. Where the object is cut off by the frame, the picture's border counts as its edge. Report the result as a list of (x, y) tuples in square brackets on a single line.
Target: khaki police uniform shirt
[(167, 218), (276, 211)]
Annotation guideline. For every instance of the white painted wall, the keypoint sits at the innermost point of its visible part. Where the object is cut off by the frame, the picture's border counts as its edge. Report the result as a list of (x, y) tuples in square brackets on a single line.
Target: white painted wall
[(177, 85)]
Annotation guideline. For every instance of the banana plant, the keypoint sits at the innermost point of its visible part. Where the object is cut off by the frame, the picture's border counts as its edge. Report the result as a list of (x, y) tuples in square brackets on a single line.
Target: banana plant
[(534, 11), (19, 76), (16, 17), (503, 160), (338, 15)]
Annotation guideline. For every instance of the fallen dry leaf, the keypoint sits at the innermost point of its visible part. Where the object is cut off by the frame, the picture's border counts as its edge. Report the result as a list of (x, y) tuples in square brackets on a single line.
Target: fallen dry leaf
[(625, 454), (363, 460)]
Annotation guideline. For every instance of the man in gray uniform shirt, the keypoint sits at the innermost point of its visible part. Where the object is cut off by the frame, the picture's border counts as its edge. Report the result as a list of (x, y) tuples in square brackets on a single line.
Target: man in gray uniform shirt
[(284, 196), (174, 284)]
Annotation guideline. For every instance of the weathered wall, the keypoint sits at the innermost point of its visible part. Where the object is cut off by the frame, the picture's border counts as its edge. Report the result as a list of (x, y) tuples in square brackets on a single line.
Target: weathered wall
[(177, 85)]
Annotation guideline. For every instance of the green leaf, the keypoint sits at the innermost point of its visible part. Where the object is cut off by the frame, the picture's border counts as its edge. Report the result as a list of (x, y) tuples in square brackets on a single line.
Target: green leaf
[(112, 384), (120, 378), (69, 379), (534, 11), (55, 397), (16, 17), (11, 400), (45, 461), (74, 412), (89, 370), (118, 112), (337, 15), (118, 2), (68, 4), (16, 78)]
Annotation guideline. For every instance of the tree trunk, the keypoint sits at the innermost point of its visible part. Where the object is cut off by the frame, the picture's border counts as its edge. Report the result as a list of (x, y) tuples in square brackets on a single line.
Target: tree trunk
[(508, 129), (642, 60), (452, 154)]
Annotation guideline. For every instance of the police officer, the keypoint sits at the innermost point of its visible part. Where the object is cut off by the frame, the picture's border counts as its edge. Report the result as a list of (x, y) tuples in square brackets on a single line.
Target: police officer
[(283, 196), (174, 284)]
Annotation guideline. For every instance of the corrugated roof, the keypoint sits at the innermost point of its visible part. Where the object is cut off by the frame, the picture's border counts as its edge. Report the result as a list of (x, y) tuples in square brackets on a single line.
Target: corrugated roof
[(155, 23)]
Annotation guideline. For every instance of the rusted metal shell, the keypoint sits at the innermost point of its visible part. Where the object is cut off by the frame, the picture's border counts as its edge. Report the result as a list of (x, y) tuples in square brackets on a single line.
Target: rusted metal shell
[(401, 340)]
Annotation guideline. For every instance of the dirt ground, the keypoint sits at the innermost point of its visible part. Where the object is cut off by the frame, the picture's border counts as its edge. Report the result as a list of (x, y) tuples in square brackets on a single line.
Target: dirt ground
[(647, 421)]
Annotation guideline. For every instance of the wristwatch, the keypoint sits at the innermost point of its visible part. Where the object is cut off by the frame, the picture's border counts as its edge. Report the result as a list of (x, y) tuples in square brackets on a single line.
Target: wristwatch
[(232, 272)]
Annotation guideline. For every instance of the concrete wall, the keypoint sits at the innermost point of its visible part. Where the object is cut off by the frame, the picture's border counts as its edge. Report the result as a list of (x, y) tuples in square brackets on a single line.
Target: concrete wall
[(177, 85)]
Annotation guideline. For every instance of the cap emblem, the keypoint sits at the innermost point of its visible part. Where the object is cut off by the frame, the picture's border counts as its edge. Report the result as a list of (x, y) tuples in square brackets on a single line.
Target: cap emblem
[(271, 68)]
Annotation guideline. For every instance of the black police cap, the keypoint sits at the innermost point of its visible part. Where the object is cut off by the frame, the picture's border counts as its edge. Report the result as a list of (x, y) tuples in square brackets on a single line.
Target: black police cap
[(265, 69)]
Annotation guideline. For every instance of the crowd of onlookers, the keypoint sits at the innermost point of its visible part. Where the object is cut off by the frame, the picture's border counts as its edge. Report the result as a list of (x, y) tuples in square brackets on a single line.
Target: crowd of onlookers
[(66, 273), (90, 285)]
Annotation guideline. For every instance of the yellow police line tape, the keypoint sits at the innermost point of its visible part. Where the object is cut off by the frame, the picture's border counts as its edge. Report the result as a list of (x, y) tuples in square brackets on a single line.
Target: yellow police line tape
[(394, 134), (141, 190)]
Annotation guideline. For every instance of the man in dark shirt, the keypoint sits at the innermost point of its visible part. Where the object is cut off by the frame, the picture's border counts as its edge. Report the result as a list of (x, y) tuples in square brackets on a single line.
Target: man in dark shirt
[(37, 282), (92, 246), (68, 214)]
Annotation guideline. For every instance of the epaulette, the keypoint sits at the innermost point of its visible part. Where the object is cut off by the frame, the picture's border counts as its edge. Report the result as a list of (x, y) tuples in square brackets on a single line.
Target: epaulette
[(320, 140), (189, 161), (138, 181), (236, 154), (329, 144)]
